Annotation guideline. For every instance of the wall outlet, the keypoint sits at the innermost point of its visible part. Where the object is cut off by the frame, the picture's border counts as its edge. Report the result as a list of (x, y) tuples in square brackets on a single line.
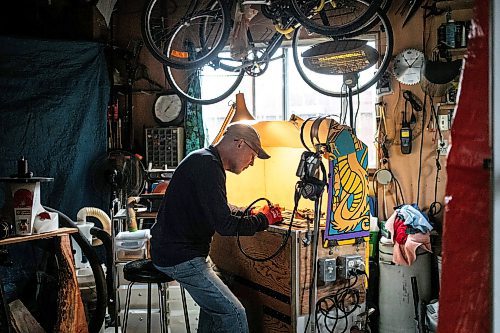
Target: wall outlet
[(442, 147), (444, 122), (348, 264), (327, 269)]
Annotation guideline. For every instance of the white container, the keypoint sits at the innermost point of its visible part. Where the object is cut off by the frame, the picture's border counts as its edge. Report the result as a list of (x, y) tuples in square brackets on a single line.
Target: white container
[(397, 312)]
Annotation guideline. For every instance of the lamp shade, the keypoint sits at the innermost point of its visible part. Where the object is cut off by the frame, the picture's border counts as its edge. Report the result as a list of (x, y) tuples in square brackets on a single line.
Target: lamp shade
[(237, 112), (241, 113)]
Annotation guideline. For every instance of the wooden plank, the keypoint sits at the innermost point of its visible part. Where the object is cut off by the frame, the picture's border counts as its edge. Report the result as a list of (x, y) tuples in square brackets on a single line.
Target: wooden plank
[(305, 268), (20, 239), (273, 325), (22, 320), (260, 299), (274, 274), (71, 313), (257, 304)]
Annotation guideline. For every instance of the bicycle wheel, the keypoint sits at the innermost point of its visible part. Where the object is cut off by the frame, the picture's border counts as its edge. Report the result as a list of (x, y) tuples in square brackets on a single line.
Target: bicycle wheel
[(334, 18), (383, 40), (165, 28), (262, 42), (208, 84)]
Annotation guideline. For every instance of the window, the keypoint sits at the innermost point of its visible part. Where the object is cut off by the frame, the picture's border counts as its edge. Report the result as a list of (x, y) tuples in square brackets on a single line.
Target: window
[(281, 92)]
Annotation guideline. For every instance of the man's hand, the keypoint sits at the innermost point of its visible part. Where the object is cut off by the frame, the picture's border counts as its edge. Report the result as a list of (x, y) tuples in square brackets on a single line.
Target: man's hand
[(273, 214)]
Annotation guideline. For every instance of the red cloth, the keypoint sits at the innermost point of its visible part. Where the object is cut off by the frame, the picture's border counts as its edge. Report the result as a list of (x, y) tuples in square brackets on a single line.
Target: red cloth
[(400, 230)]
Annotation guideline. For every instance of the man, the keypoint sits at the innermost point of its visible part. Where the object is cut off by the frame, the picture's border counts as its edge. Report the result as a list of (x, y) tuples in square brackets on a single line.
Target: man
[(194, 208)]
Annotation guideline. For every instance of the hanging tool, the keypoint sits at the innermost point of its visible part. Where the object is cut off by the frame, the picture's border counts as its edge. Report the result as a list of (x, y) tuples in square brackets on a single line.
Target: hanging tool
[(405, 134), (410, 8), (414, 6), (415, 104)]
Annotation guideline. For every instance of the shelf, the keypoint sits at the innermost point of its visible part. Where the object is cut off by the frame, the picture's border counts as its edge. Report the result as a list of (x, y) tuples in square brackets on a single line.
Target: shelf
[(20, 239), (455, 5), (146, 215)]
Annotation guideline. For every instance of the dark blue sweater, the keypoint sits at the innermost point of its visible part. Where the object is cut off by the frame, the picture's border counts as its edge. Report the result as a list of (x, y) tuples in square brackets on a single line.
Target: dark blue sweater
[(194, 208)]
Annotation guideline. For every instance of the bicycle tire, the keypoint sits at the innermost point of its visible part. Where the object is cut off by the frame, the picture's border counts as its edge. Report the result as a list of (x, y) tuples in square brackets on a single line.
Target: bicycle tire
[(384, 64), (337, 29), (374, 21), (161, 42), (263, 42), (179, 81)]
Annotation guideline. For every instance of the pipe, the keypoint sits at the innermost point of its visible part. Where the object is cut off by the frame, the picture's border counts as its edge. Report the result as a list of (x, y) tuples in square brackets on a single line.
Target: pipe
[(132, 221), (110, 270), (81, 217)]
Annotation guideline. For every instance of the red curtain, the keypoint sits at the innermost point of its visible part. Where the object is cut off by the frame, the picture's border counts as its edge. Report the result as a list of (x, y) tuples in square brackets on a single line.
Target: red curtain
[(465, 297)]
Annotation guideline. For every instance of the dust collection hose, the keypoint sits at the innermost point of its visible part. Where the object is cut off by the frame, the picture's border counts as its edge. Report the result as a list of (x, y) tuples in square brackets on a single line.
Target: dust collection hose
[(106, 240), (97, 317), (98, 214)]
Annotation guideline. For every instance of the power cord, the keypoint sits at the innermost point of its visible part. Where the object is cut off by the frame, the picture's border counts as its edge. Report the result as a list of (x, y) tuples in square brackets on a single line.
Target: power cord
[(421, 150), (287, 235)]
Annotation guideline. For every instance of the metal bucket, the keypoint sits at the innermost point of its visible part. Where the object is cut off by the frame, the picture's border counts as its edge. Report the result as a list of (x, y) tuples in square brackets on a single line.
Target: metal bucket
[(397, 312)]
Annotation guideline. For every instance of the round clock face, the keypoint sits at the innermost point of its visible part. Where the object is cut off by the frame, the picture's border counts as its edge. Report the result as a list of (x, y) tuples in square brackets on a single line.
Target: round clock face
[(408, 66), (168, 109)]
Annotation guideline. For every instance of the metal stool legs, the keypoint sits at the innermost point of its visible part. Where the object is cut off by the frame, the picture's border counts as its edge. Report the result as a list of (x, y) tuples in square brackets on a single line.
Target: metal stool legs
[(162, 299), (184, 308)]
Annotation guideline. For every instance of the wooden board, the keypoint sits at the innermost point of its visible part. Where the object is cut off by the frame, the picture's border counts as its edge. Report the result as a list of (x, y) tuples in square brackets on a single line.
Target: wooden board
[(305, 268), (274, 274), (22, 320), (71, 313), (20, 239)]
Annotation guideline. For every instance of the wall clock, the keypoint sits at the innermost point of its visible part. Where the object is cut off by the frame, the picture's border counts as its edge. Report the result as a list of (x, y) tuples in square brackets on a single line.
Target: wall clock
[(408, 66), (169, 109)]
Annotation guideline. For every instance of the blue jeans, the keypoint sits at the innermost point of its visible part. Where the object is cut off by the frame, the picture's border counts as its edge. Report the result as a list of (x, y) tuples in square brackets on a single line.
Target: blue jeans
[(220, 310)]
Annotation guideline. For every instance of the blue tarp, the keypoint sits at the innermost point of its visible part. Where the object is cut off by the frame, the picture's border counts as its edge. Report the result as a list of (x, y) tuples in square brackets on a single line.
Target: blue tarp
[(53, 101)]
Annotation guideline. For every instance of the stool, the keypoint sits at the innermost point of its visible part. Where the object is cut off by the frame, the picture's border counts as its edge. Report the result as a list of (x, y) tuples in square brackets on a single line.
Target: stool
[(143, 271)]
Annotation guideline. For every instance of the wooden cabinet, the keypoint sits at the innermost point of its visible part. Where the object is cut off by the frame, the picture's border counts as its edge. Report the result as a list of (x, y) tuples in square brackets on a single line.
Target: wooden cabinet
[(275, 293)]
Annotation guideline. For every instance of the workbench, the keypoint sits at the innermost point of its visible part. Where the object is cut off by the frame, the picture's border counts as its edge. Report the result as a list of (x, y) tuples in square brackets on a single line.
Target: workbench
[(275, 293)]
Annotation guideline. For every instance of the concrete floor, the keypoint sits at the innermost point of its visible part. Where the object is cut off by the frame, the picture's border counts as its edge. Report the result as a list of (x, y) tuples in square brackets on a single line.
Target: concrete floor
[(176, 323)]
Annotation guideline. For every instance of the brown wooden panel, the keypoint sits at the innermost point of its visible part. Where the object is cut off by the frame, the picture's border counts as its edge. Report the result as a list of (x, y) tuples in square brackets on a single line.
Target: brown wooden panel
[(71, 313), (274, 274), (305, 268), (264, 313), (273, 325)]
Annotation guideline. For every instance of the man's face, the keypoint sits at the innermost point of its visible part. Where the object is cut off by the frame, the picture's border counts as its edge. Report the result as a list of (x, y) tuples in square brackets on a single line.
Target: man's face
[(243, 158)]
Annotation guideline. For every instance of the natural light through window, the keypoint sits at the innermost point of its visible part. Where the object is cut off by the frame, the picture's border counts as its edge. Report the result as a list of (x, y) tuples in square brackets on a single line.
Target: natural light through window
[(265, 99)]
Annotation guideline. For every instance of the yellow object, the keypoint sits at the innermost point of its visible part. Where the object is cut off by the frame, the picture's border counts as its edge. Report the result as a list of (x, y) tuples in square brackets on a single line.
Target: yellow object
[(238, 112)]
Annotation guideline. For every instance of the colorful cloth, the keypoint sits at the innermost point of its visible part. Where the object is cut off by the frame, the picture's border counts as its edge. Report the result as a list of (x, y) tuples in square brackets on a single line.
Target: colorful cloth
[(406, 254)]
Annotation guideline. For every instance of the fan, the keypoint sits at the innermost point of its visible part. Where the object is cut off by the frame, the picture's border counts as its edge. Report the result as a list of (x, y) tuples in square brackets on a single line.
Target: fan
[(120, 172)]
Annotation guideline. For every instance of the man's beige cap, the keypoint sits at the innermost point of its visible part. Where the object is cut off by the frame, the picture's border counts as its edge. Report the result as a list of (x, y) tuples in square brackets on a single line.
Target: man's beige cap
[(250, 135)]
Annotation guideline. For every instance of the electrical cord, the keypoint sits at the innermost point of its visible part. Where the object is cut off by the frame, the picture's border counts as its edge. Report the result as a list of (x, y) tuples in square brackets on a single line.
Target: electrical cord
[(287, 235), (421, 150), (435, 207), (338, 301), (357, 110), (302, 133), (400, 191)]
